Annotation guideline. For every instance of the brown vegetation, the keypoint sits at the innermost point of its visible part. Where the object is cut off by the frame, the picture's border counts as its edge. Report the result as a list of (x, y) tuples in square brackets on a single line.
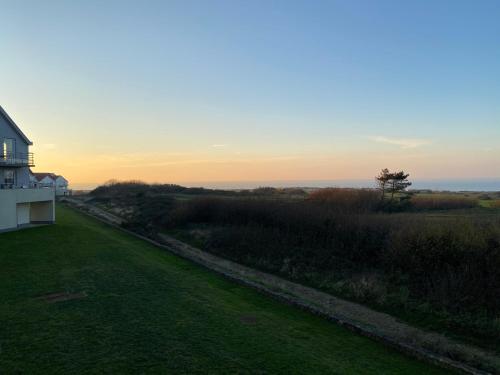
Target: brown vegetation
[(347, 199)]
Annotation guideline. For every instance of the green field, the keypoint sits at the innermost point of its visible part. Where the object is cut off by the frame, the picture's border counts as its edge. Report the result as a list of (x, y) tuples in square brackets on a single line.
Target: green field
[(139, 309)]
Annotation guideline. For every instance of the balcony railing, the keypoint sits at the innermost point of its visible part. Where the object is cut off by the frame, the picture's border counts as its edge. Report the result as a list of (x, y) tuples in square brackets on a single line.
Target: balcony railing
[(11, 185), (15, 159)]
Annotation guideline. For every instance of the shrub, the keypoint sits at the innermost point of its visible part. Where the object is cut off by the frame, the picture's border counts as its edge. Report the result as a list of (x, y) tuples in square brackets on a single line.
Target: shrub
[(442, 203), (149, 215), (455, 264), (301, 224), (485, 197), (495, 204), (347, 199), (265, 190), (116, 190)]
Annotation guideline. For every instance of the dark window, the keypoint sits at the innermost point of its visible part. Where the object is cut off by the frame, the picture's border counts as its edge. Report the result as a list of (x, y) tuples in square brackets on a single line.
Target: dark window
[(9, 177)]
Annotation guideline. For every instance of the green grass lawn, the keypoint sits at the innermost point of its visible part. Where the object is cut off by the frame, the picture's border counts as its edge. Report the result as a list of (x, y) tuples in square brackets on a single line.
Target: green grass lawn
[(149, 311)]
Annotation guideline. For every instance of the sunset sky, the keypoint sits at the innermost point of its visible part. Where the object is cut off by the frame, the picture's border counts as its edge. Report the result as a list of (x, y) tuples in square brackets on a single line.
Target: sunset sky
[(180, 91)]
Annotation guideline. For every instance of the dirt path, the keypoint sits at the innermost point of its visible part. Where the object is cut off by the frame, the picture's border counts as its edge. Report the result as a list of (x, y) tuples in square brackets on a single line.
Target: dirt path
[(380, 326)]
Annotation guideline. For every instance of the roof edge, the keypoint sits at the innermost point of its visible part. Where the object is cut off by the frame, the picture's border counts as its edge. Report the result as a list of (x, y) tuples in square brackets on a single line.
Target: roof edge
[(14, 126)]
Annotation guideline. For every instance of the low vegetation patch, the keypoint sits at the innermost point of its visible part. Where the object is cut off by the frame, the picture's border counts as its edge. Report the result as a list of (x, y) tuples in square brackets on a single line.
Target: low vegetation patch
[(440, 271), (437, 202), (347, 200)]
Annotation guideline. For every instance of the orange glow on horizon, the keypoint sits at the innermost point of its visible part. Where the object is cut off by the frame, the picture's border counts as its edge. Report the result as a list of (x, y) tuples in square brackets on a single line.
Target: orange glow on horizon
[(179, 168)]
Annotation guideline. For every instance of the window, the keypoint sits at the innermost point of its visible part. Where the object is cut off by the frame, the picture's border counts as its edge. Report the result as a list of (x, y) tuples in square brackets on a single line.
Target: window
[(8, 148), (9, 177)]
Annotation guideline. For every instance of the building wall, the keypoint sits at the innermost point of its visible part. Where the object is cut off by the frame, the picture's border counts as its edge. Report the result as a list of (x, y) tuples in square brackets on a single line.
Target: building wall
[(6, 131), (23, 213), (8, 214), (33, 181), (61, 186), (47, 181), (61, 182), (42, 212), (23, 176), (41, 206)]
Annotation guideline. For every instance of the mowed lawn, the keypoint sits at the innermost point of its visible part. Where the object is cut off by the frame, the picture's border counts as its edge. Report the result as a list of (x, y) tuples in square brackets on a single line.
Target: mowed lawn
[(147, 311)]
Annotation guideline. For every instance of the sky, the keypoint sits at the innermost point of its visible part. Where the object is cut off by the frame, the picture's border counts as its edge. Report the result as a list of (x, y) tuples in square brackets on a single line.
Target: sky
[(183, 91)]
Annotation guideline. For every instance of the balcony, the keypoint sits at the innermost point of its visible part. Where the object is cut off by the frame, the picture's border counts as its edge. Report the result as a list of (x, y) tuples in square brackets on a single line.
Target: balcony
[(15, 159)]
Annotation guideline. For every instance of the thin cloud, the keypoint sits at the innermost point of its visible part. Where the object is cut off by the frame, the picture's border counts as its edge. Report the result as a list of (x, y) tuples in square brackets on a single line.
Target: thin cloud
[(219, 145), (404, 143), (135, 160), (211, 161)]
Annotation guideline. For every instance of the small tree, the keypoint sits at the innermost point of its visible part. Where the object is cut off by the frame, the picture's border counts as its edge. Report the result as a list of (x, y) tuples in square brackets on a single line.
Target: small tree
[(399, 183), (393, 183), (383, 181)]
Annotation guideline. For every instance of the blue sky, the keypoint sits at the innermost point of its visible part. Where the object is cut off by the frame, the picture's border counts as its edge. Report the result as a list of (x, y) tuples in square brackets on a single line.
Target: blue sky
[(214, 90)]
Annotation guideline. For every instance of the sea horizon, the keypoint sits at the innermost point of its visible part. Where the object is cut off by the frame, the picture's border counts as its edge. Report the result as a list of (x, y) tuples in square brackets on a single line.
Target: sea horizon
[(471, 184)]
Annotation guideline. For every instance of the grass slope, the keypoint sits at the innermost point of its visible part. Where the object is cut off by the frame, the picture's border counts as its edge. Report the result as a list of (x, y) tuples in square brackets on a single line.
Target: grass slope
[(149, 311)]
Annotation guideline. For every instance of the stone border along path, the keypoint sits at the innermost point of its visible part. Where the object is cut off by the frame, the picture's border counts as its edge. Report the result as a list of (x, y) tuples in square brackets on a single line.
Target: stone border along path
[(428, 346)]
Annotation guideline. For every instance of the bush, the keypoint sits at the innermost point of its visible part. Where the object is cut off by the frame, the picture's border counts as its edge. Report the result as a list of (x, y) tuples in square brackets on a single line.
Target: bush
[(116, 190), (485, 197), (265, 190), (442, 203), (456, 265), (495, 204), (348, 200), (149, 215), (297, 224)]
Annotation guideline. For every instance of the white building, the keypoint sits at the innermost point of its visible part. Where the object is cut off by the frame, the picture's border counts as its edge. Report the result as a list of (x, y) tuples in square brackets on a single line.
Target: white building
[(21, 203), (50, 180)]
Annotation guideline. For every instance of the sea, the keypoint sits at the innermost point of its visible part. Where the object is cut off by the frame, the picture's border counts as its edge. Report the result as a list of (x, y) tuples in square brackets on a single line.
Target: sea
[(471, 184)]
